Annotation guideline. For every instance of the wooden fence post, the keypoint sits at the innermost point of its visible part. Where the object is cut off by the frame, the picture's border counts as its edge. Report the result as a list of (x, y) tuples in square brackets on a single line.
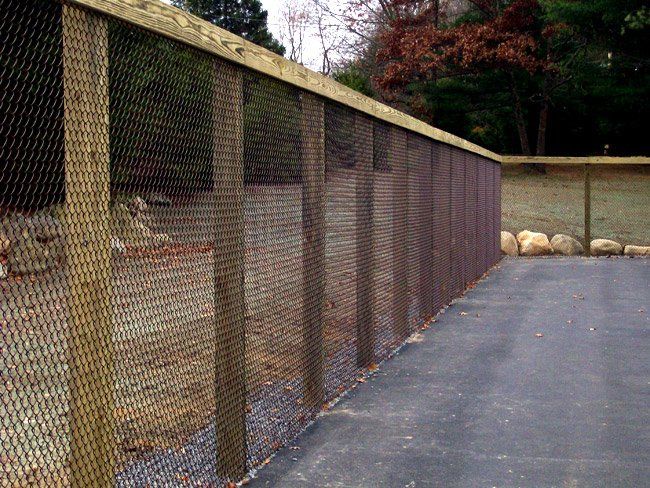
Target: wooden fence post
[(363, 164), (87, 249), (313, 255), (587, 209), (230, 358), (398, 161)]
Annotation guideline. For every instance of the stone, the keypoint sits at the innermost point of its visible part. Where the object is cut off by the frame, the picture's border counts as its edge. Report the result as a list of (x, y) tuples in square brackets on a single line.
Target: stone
[(158, 199), (509, 244), (5, 242), (3, 272), (117, 246), (533, 244), (637, 251), (44, 227), (605, 247), (566, 245), (132, 231), (58, 211), (161, 239), (138, 206), (30, 256), (126, 228), (15, 227)]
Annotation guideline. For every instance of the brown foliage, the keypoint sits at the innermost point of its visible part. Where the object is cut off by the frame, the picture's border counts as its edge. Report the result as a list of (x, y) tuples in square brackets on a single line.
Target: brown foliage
[(414, 48)]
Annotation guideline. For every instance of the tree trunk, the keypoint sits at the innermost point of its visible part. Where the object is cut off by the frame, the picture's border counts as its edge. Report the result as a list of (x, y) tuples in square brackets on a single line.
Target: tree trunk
[(521, 121), (541, 131), (543, 117), (540, 149)]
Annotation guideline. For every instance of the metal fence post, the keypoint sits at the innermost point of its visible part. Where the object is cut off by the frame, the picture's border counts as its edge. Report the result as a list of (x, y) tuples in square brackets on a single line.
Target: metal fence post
[(313, 255), (363, 159), (87, 249), (587, 209), (230, 325)]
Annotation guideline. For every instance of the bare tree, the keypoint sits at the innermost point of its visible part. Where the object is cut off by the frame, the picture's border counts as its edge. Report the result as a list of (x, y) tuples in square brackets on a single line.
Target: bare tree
[(331, 36), (295, 21)]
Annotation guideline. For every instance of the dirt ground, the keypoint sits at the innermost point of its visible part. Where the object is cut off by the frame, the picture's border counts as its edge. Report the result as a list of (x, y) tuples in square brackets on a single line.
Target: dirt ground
[(163, 328)]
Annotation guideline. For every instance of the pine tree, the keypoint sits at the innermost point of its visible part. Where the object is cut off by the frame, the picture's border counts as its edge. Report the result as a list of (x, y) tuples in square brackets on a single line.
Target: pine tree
[(246, 18)]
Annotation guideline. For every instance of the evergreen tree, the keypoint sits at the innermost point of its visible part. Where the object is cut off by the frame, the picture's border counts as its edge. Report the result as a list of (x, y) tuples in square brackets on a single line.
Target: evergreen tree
[(246, 18)]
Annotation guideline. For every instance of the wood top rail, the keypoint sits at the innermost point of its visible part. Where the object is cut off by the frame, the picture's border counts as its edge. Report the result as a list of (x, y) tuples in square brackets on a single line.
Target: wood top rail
[(178, 25), (568, 160)]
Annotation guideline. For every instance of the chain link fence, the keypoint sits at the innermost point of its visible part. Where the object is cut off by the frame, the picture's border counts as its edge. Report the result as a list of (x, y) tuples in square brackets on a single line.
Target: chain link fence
[(552, 198), (196, 258)]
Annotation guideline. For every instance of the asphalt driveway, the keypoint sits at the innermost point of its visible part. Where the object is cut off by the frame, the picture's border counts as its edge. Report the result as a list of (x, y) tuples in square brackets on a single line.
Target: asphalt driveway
[(538, 377)]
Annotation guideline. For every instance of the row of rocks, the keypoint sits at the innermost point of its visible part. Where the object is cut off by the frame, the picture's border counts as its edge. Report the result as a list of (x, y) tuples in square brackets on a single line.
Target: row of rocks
[(36, 243), (528, 243)]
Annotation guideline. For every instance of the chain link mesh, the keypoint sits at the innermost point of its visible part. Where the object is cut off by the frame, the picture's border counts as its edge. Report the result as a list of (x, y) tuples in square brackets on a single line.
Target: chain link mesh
[(196, 258), (620, 204)]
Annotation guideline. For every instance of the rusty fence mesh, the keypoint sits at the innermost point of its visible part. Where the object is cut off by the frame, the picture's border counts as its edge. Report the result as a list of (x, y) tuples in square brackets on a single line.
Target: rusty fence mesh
[(196, 258)]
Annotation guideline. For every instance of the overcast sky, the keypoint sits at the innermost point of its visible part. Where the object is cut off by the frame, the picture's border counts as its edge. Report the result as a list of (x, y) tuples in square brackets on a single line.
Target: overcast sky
[(312, 51)]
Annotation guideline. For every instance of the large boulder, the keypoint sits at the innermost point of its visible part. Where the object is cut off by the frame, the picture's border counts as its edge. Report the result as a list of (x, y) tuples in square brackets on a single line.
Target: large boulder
[(509, 244), (44, 227), (605, 247), (637, 251), (138, 206), (29, 256), (158, 199), (533, 244), (14, 227), (131, 231), (566, 245)]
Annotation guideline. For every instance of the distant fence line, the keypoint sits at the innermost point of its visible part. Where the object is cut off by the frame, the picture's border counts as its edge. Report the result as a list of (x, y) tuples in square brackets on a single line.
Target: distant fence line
[(588, 164)]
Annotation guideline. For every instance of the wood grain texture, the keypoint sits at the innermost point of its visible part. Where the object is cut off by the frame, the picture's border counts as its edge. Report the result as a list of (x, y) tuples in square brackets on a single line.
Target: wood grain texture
[(568, 160), (230, 325), (178, 25), (313, 253), (87, 250), (398, 158), (364, 194), (587, 209)]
